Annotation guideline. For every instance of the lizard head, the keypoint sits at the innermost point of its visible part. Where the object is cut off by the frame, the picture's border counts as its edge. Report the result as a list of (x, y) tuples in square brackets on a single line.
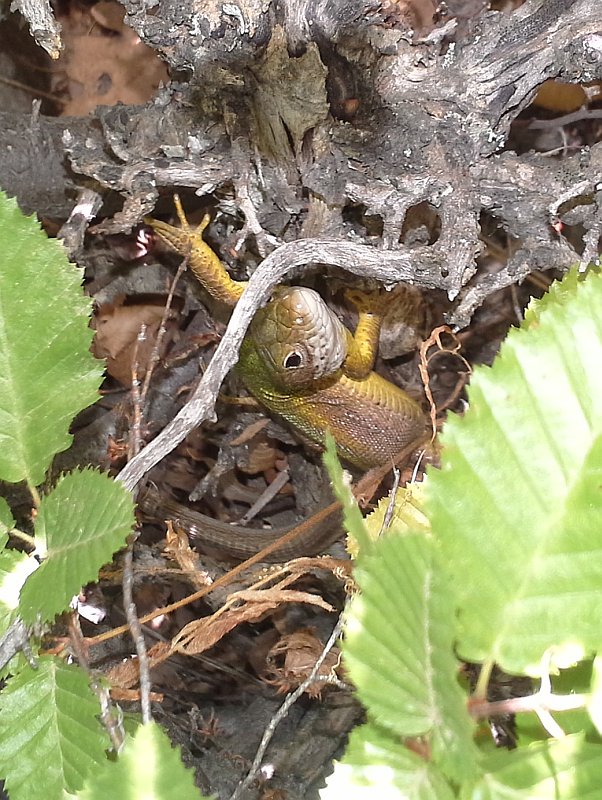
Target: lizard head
[(298, 337)]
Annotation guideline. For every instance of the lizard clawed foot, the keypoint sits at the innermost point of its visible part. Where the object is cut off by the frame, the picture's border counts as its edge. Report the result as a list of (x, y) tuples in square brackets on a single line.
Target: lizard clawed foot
[(198, 231)]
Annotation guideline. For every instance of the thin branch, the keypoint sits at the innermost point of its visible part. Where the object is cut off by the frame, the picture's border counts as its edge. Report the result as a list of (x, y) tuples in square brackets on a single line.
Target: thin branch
[(111, 715), (541, 703), (284, 709), (73, 231), (268, 494), (43, 26), (26, 538), (533, 702), (137, 634), (156, 351), (135, 439), (566, 119)]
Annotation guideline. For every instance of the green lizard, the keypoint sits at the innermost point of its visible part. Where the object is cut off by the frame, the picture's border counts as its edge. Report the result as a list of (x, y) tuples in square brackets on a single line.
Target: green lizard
[(304, 365)]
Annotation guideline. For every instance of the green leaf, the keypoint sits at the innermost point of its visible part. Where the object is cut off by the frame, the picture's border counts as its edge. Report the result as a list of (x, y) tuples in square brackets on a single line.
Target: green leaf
[(15, 568), (50, 739), (47, 374), (559, 293), (517, 505), (399, 650), (375, 765), (148, 769), (79, 526), (594, 705), (408, 513), (560, 769)]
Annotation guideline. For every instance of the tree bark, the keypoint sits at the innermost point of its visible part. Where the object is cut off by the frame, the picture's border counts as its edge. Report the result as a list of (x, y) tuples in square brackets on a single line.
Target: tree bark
[(425, 123)]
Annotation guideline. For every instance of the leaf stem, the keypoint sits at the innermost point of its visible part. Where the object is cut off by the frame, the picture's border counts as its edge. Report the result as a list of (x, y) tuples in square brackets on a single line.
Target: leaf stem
[(24, 537), (480, 692), (35, 495), (533, 702)]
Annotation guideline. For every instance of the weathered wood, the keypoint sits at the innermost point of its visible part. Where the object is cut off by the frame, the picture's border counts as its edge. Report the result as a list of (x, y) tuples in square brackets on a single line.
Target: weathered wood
[(411, 121), (429, 120)]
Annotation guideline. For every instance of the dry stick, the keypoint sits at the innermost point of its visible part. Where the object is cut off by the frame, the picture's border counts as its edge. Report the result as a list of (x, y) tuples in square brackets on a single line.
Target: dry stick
[(272, 489), (542, 703), (131, 612), (591, 239), (155, 354), (360, 259), (388, 516), (283, 711), (110, 715), (566, 119), (136, 430), (72, 231), (515, 271), (16, 640), (42, 24), (32, 90), (532, 702), (138, 399), (264, 240)]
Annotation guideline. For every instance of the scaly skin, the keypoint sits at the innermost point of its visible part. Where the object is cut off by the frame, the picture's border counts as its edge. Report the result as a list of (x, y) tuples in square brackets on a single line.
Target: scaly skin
[(302, 363), (308, 538), (201, 259), (371, 419)]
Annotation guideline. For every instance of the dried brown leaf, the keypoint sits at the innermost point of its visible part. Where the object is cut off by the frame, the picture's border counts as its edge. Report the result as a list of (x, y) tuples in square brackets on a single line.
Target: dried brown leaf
[(104, 61), (117, 330), (126, 674), (178, 548), (294, 657), (200, 635)]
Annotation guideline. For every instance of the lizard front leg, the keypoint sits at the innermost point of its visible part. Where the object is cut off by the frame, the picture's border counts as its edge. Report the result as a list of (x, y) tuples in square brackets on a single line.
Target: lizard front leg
[(204, 263), (362, 346)]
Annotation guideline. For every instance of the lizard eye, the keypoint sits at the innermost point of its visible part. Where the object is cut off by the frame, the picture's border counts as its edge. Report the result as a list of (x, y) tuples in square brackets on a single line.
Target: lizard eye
[(292, 360)]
